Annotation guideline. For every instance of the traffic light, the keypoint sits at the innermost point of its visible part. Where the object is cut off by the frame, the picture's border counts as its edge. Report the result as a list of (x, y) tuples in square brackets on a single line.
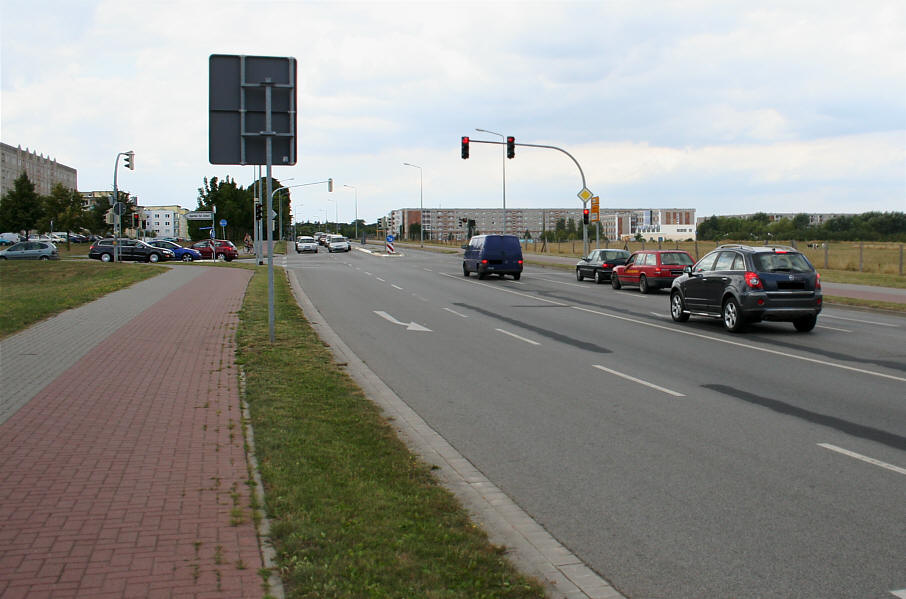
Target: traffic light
[(258, 211), (130, 160), (465, 147), (135, 220), (585, 215), (330, 184), (510, 146)]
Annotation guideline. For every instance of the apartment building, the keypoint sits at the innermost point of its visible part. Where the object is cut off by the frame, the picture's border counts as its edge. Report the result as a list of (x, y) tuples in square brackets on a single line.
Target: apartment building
[(616, 223), (43, 171), (166, 221)]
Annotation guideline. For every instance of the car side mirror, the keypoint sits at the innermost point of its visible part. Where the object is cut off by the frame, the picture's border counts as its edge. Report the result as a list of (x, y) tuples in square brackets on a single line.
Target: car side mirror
[(687, 269)]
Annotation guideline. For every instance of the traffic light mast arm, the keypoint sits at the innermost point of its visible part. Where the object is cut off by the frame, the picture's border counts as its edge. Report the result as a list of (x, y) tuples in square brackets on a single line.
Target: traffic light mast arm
[(502, 143)]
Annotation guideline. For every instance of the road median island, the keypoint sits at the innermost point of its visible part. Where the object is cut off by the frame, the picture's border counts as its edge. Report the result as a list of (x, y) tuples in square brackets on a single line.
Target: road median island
[(353, 512)]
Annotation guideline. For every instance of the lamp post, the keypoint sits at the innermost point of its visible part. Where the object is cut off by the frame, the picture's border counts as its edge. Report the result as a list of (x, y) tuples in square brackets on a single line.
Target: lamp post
[(356, 192), (421, 209), (504, 172), (280, 207)]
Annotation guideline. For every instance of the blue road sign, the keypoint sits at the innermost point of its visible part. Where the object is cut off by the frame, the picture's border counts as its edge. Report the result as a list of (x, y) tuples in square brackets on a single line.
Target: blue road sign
[(390, 239), (222, 222)]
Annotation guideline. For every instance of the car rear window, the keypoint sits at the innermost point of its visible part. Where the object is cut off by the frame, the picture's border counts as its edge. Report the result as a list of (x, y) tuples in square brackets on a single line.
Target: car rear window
[(676, 258), (781, 262), (615, 254)]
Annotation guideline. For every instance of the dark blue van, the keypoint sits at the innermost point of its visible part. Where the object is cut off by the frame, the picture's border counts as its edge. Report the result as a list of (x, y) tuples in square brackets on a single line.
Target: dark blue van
[(493, 254)]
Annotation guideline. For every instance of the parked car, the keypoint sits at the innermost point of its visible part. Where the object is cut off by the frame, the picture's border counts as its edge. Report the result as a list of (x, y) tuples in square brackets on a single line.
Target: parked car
[(129, 250), (321, 237), (599, 264), (179, 252), (651, 269), (338, 243), (306, 244), (30, 250), (742, 284), (224, 249), (493, 254), (9, 238)]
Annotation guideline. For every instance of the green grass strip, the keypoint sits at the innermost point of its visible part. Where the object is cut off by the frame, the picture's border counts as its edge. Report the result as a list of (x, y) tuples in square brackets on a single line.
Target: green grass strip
[(353, 513), (35, 290)]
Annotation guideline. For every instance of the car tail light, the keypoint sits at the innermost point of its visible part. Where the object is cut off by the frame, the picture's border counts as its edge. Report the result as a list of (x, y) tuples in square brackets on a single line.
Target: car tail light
[(753, 281), (605, 265), (817, 281), (520, 262), (485, 261)]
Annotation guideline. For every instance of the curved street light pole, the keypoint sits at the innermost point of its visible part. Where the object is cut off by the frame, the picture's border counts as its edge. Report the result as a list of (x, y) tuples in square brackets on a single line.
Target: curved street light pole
[(503, 139), (421, 209)]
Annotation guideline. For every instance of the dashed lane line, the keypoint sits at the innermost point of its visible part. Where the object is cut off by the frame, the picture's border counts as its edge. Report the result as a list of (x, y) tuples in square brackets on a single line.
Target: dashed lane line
[(639, 381)]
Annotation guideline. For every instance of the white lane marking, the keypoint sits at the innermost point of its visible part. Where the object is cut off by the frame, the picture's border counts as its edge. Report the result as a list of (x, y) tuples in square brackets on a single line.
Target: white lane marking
[(639, 381), (368, 273), (864, 458), (560, 282), (410, 326), (834, 329), (427, 269), (455, 312), (659, 315), (417, 296), (901, 593), (691, 333), (380, 279), (396, 286), (880, 324), (517, 337)]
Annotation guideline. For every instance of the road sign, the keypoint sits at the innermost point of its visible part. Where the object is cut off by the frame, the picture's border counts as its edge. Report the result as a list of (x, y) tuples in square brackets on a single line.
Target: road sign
[(390, 239), (200, 215), (585, 194), (242, 89), (595, 209), (222, 222)]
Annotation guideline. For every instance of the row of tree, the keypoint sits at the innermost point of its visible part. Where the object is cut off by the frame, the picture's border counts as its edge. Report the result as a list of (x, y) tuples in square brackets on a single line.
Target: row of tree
[(868, 226), (22, 209)]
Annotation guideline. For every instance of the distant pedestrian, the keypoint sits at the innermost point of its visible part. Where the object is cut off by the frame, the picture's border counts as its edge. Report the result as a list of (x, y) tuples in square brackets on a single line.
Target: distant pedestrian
[(248, 243)]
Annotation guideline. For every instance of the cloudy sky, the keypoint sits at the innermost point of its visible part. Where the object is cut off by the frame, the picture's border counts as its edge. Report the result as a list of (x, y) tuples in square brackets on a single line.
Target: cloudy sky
[(726, 107)]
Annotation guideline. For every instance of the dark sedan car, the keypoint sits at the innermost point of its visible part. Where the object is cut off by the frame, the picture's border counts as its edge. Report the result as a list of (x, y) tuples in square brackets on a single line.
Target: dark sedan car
[(741, 284), (129, 249), (181, 253), (598, 264)]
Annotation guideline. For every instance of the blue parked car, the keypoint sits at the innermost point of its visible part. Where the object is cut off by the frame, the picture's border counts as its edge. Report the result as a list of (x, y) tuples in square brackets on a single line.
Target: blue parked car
[(184, 254)]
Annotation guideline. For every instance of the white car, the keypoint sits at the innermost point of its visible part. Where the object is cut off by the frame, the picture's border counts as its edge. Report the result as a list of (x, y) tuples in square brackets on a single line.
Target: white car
[(306, 244), (338, 243)]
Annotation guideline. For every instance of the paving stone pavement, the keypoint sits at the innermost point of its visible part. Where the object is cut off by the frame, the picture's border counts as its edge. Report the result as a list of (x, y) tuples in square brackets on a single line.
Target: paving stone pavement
[(124, 474)]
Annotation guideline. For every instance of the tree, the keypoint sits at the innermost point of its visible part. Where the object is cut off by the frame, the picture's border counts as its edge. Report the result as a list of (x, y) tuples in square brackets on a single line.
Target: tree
[(64, 208), (96, 219), (20, 208), (415, 230), (232, 203)]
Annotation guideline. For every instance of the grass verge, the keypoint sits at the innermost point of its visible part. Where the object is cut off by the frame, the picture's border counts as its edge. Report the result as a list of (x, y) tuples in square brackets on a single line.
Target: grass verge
[(354, 514), (35, 290)]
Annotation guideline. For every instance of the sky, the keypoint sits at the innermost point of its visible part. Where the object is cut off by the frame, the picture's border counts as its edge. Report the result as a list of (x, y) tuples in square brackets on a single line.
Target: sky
[(725, 107)]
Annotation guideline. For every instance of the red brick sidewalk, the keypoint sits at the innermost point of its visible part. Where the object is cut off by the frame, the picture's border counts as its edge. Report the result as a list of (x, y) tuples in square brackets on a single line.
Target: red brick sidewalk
[(126, 476)]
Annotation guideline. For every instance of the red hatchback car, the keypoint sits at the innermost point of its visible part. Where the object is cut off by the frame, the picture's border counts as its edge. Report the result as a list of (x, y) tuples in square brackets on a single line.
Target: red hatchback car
[(651, 269), (225, 249)]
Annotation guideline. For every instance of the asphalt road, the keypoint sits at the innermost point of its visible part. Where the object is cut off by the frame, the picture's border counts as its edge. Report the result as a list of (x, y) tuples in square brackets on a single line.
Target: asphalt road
[(677, 460)]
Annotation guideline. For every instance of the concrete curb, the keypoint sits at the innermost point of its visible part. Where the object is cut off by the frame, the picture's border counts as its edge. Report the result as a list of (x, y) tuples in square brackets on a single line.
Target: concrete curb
[(530, 547)]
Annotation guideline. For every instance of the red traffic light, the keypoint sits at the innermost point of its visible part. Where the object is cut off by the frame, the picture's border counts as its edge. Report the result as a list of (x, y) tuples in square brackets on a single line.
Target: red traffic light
[(585, 212), (510, 147), (465, 147)]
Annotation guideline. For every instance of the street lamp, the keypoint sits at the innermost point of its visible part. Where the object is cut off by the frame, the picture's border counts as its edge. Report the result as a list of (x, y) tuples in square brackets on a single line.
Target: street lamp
[(356, 192), (336, 223), (504, 173), (280, 206), (421, 209)]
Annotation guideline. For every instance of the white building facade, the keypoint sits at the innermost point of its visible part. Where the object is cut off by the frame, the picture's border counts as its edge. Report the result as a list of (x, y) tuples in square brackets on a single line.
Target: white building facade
[(166, 221)]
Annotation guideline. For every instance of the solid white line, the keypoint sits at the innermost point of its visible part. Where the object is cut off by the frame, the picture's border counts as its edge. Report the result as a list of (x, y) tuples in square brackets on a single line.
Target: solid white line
[(901, 593), (455, 312), (639, 381), (517, 337), (859, 456), (691, 333), (880, 324), (834, 329), (396, 286), (560, 282)]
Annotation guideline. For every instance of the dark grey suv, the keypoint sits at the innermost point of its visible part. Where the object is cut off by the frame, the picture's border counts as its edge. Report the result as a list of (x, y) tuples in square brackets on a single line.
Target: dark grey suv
[(742, 284)]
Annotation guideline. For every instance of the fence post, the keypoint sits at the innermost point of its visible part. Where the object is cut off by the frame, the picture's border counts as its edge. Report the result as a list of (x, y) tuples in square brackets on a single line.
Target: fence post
[(861, 244), (643, 244), (826, 245), (901, 259), (696, 250)]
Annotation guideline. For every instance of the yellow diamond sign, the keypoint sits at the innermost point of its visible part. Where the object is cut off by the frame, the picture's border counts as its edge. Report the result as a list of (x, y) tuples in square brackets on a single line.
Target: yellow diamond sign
[(585, 194)]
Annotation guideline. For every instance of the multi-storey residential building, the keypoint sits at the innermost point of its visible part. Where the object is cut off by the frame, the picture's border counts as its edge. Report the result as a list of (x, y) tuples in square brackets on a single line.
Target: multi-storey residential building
[(44, 172), (616, 223), (166, 221)]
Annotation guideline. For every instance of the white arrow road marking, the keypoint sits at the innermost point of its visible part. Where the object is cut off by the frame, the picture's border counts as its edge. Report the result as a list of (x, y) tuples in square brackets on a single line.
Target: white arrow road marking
[(410, 326)]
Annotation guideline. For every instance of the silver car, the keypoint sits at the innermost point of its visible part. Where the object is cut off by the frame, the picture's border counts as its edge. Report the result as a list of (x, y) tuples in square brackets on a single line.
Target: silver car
[(306, 244), (30, 250), (338, 243)]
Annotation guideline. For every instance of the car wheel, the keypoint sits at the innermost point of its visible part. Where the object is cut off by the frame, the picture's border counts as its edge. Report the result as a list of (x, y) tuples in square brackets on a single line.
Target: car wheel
[(643, 285), (677, 308), (615, 281), (465, 271), (228, 258), (517, 276), (187, 257), (482, 275), (732, 315), (44, 258), (805, 324), (579, 275), (599, 277), (106, 257), (154, 257)]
